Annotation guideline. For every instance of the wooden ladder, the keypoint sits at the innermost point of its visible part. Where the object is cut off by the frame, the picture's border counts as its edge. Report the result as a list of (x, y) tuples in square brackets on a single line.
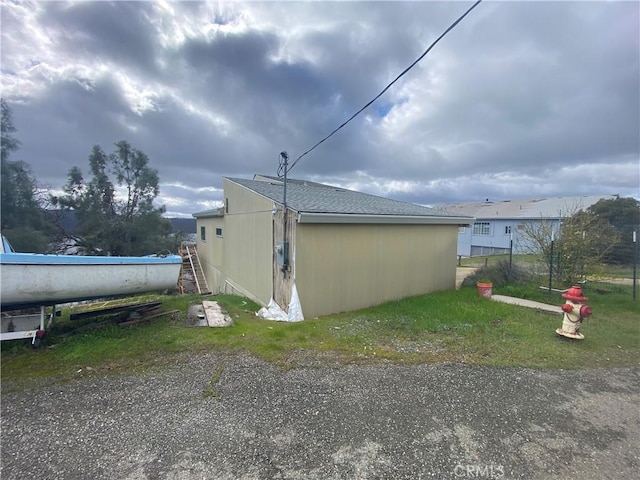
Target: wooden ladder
[(191, 264)]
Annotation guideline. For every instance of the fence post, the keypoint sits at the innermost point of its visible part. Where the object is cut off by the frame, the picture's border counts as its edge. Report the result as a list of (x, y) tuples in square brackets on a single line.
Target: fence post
[(510, 253), (550, 264), (635, 265)]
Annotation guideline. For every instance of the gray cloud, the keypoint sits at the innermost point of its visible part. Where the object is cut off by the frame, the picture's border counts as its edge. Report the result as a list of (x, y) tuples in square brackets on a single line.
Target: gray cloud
[(116, 32), (521, 99)]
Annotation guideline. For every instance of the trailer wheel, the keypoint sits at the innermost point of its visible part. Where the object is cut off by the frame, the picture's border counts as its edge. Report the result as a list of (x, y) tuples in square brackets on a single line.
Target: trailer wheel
[(38, 339)]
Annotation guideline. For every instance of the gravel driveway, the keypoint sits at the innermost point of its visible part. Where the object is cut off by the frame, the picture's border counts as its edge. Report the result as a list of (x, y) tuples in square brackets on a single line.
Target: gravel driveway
[(227, 417)]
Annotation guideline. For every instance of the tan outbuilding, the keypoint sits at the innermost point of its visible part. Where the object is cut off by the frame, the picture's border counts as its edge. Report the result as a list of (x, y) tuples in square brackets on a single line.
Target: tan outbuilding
[(334, 250)]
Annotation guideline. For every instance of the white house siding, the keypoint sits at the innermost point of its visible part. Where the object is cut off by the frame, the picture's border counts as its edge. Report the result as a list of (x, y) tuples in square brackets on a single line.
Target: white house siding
[(464, 241), (514, 213), (498, 239)]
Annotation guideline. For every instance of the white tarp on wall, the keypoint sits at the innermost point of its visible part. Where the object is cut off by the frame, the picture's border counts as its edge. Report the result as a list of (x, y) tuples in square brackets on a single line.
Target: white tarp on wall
[(274, 312)]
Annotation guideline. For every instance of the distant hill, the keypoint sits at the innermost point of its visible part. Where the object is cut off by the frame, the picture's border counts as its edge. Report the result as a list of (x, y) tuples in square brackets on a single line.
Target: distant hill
[(70, 224), (184, 225)]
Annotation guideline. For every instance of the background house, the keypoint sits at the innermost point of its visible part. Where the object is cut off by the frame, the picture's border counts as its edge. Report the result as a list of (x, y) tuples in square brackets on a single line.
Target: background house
[(498, 223), (334, 249)]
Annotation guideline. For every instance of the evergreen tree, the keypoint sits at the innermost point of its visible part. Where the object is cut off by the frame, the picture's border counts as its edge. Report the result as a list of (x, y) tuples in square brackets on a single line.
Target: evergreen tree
[(22, 218), (114, 208), (623, 214)]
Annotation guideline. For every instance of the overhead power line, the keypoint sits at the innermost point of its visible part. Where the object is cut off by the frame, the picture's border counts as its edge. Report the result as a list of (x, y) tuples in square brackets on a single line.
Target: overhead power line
[(451, 27)]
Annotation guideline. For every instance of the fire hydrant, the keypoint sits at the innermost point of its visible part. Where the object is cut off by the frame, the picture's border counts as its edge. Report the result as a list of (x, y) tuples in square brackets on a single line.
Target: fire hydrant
[(574, 311)]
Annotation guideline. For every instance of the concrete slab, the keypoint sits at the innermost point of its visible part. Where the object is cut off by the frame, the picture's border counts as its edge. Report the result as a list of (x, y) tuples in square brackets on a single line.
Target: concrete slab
[(196, 317), (527, 303)]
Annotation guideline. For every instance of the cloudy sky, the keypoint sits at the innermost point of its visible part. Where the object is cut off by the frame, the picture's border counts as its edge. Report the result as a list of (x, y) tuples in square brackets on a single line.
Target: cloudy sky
[(520, 100)]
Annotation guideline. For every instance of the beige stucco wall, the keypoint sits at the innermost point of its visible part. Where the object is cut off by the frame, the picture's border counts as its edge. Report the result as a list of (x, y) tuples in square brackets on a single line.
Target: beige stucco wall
[(346, 267), (211, 251), (248, 251)]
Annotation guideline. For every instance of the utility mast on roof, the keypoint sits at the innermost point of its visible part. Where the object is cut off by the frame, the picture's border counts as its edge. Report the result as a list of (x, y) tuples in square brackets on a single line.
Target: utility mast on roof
[(282, 172), (284, 166)]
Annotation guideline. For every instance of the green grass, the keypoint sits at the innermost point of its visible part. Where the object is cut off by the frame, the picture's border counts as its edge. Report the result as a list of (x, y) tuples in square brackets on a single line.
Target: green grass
[(532, 261), (618, 271), (212, 389), (480, 261), (453, 326)]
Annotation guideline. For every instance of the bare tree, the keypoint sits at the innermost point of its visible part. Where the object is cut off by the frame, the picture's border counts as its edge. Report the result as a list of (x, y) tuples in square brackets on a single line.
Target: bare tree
[(571, 246)]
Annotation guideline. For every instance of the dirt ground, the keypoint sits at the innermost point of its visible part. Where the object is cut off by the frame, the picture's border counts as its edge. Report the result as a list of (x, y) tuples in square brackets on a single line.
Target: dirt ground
[(215, 416), (461, 274)]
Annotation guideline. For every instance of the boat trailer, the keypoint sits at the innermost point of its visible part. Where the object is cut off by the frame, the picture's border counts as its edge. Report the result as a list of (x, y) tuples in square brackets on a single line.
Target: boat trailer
[(31, 325)]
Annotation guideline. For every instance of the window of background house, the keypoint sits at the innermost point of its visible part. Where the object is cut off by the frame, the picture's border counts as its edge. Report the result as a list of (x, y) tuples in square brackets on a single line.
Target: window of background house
[(481, 228), (203, 235), (462, 229), (218, 231)]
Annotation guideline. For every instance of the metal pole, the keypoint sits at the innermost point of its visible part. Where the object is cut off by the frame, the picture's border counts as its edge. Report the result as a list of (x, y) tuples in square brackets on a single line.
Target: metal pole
[(285, 157), (582, 258), (510, 252), (285, 261), (551, 264)]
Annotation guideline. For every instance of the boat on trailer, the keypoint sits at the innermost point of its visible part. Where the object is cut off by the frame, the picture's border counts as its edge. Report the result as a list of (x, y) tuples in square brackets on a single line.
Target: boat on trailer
[(32, 280)]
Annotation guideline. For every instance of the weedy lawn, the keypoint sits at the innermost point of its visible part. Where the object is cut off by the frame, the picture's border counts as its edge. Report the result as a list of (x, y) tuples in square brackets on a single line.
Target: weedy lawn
[(452, 326)]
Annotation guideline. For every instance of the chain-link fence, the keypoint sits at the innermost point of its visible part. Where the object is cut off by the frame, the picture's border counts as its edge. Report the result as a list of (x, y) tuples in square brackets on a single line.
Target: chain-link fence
[(617, 264), (567, 261)]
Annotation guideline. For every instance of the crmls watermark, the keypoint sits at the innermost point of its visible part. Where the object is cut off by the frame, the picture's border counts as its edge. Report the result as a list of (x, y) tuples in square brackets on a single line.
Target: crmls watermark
[(479, 471)]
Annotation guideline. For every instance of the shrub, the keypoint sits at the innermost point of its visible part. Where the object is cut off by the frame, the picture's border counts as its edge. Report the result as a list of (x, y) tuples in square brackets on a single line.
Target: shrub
[(499, 274)]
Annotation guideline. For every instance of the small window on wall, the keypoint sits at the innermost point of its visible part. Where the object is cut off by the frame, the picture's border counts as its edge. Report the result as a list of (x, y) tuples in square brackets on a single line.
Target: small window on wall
[(507, 230), (481, 228), (203, 234), (218, 231)]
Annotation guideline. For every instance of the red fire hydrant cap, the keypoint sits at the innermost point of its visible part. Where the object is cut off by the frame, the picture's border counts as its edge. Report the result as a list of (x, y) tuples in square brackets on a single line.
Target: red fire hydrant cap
[(575, 295), (567, 307), (585, 311)]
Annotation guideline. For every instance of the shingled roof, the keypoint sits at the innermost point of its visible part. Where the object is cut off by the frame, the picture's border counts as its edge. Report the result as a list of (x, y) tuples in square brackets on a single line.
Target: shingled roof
[(536, 208), (304, 196)]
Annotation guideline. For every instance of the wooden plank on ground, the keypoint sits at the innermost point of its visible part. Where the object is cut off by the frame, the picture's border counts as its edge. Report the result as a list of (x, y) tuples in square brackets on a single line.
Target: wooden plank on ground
[(145, 318), (215, 316), (114, 309)]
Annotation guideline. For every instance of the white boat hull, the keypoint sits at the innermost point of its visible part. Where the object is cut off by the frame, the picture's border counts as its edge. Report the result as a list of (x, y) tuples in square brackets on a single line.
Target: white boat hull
[(31, 284)]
